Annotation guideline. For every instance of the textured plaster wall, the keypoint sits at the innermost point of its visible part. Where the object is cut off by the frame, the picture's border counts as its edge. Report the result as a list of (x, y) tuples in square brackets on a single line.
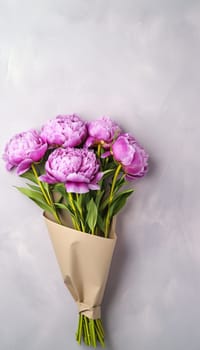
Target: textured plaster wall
[(138, 62)]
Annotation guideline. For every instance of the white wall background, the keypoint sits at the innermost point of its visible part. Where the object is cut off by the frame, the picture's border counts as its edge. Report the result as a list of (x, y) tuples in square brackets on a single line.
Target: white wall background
[(138, 62)]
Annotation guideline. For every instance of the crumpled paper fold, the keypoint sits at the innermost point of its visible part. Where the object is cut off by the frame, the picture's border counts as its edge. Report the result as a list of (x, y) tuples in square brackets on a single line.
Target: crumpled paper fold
[(84, 261)]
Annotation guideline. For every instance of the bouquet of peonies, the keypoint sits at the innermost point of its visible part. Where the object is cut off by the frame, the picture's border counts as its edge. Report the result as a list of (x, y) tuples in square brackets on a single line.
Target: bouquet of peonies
[(77, 173)]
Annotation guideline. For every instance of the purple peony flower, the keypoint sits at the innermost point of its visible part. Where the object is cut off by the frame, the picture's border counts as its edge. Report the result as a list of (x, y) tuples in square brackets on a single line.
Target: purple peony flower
[(131, 155), (23, 149), (77, 168), (103, 131), (64, 130)]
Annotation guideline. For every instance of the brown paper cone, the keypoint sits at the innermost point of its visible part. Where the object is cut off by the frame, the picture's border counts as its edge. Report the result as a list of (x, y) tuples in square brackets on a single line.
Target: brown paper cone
[(84, 261)]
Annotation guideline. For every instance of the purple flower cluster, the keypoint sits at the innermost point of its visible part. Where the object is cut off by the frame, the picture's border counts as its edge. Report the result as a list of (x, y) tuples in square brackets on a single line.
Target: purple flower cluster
[(23, 149), (77, 168), (131, 155), (102, 131), (71, 143), (64, 130)]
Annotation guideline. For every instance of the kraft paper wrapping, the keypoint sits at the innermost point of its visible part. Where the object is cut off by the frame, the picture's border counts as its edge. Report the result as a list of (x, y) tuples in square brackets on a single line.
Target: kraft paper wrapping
[(84, 261)]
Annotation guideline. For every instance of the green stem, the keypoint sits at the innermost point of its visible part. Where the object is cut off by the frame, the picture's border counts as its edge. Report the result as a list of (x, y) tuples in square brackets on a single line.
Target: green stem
[(114, 181), (45, 194), (75, 222), (100, 328), (92, 333), (99, 150), (40, 184), (80, 327), (111, 198), (101, 325), (99, 335), (87, 330), (81, 212)]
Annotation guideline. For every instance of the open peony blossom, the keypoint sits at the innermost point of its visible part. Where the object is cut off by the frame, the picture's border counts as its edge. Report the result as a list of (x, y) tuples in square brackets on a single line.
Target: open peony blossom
[(103, 131), (131, 155), (77, 168), (23, 149), (64, 130)]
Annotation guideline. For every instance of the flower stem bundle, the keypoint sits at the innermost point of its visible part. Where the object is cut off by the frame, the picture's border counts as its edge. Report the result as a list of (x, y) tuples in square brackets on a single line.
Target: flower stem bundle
[(90, 331)]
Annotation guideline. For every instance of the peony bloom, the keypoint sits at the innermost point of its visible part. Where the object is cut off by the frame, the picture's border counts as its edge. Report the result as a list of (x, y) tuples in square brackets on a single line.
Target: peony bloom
[(64, 130), (103, 131), (131, 155), (23, 149), (77, 168)]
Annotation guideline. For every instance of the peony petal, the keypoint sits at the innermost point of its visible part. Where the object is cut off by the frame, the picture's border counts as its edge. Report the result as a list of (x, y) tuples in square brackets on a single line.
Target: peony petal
[(74, 177), (106, 154), (37, 154), (9, 166), (24, 166), (138, 166), (48, 178), (72, 141), (66, 130), (94, 187), (130, 177), (97, 177), (89, 142), (123, 151), (76, 187), (103, 129), (99, 131)]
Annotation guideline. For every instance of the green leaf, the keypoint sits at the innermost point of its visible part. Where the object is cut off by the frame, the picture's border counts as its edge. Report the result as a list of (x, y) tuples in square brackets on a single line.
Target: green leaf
[(119, 201), (46, 186), (100, 223), (91, 217), (47, 189), (65, 207), (43, 205), (60, 187), (104, 203), (36, 197), (119, 183), (125, 193), (32, 194), (99, 196), (107, 173), (29, 176), (76, 205), (35, 188), (41, 166), (61, 206), (79, 199)]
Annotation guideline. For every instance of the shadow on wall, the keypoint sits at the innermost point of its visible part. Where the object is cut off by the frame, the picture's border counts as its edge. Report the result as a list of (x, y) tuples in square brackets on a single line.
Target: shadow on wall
[(120, 259), (123, 254)]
